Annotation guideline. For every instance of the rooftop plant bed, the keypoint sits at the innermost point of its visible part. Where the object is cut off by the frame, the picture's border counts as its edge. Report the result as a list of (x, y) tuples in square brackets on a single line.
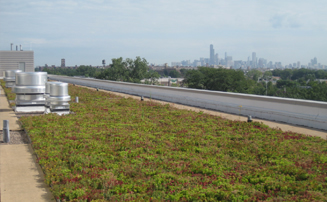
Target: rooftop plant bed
[(117, 149), (10, 95)]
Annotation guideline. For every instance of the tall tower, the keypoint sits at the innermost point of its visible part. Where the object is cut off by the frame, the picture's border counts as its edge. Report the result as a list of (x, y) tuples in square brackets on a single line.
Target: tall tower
[(315, 61), (216, 59), (254, 60), (212, 55), (63, 63)]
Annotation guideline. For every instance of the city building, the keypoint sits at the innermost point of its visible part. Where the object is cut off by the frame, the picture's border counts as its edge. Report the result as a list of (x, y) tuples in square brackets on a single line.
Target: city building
[(216, 59), (19, 59), (63, 63), (227, 62), (212, 55), (254, 60)]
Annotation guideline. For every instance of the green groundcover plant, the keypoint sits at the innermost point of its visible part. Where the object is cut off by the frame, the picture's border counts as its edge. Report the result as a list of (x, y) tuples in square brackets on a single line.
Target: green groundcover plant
[(117, 149), (10, 95)]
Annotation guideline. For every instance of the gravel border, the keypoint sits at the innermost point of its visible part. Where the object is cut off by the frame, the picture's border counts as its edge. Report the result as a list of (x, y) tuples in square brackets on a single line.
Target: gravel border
[(16, 137)]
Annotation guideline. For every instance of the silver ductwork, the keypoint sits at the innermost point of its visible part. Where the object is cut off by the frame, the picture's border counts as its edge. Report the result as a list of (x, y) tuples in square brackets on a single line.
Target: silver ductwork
[(59, 97), (47, 95), (30, 88), (10, 77)]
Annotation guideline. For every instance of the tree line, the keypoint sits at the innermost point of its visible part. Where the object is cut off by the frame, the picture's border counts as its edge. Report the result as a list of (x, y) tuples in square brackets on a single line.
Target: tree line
[(127, 70), (298, 83)]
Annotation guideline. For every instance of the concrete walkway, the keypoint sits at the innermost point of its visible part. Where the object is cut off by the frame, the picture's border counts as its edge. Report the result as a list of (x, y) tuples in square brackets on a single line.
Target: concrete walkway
[(21, 178), (7, 113)]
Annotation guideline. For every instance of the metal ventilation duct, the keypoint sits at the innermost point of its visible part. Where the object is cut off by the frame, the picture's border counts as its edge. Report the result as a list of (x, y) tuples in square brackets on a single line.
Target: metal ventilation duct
[(10, 77), (30, 88), (47, 95), (59, 97)]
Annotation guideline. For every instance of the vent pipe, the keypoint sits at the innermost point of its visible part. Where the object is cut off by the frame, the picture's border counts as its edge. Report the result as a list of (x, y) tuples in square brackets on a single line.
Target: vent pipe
[(6, 133), (11, 46), (20, 48), (16, 48), (10, 77)]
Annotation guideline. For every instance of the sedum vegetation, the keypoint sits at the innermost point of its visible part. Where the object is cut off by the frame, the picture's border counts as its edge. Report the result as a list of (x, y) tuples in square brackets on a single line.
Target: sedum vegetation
[(10, 95), (117, 149)]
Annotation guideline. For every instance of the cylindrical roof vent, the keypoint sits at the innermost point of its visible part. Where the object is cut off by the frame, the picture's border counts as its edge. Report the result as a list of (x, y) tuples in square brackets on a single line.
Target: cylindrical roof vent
[(47, 94), (10, 77), (30, 88), (59, 98), (31, 79)]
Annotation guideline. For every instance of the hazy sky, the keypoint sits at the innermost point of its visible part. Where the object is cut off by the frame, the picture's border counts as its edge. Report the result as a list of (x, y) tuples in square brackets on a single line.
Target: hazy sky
[(87, 31)]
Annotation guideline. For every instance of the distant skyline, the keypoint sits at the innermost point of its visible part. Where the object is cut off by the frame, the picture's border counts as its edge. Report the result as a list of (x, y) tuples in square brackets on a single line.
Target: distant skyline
[(164, 31)]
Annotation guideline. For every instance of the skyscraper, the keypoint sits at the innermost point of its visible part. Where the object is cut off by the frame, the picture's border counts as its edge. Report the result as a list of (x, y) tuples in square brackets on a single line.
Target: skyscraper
[(229, 61), (216, 59), (254, 60), (212, 55)]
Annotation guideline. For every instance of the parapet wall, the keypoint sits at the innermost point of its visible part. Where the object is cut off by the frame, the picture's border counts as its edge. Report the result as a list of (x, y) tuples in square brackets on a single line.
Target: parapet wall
[(294, 111)]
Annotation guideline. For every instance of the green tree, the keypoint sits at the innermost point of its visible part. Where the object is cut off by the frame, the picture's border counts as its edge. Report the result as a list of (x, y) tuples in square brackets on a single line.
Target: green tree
[(152, 77), (267, 75), (138, 69), (217, 79), (174, 74), (194, 79), (183, 72), (128, 70), (286, 74), (254, 74)]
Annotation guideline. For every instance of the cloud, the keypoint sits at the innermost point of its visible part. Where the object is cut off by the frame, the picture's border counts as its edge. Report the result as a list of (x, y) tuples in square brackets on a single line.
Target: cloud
[(285, 21), (277, 21), (36, 41), (163, 26)]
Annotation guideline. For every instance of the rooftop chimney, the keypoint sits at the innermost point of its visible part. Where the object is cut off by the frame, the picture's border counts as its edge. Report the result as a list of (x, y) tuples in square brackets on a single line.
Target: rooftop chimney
[(11, 46)]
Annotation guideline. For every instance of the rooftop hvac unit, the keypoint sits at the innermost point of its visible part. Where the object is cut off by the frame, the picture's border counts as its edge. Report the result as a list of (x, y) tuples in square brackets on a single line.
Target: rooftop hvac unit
[(10, 77), (30, 88), (58, 98)]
